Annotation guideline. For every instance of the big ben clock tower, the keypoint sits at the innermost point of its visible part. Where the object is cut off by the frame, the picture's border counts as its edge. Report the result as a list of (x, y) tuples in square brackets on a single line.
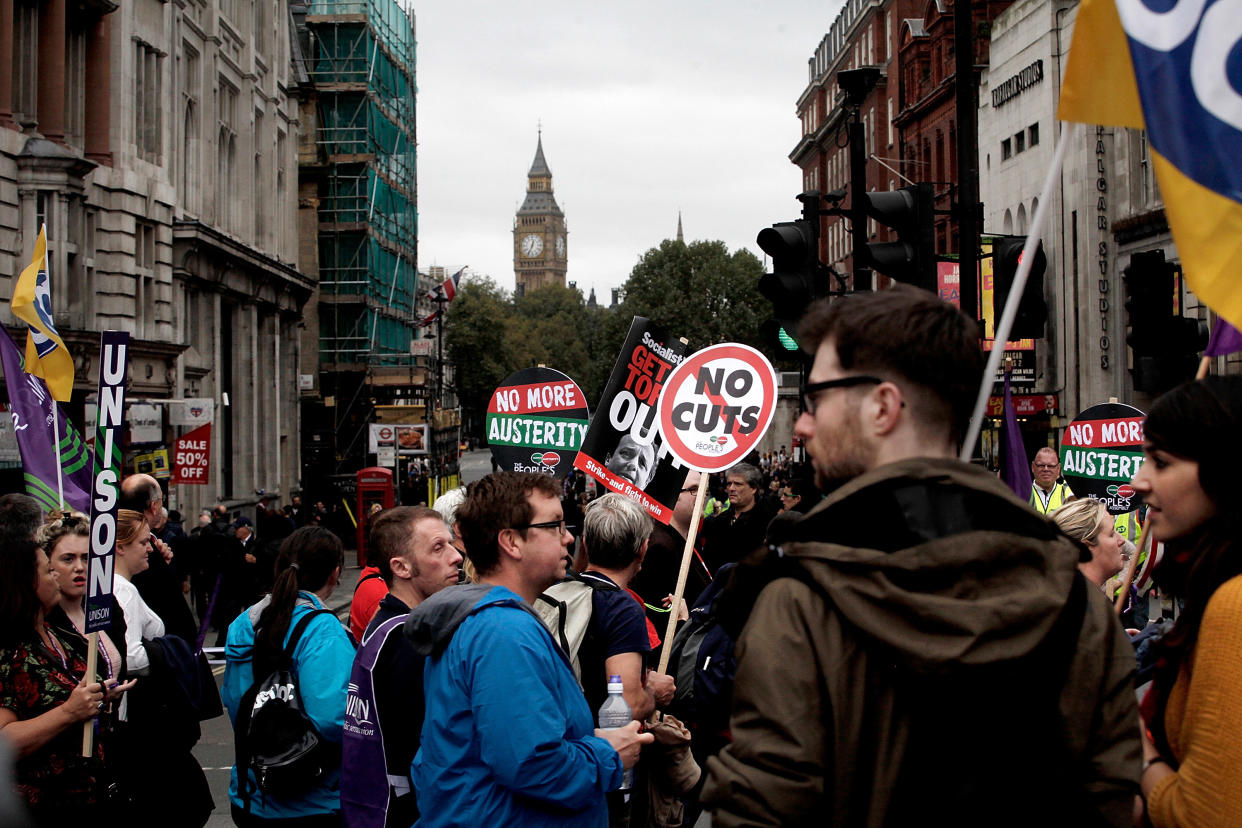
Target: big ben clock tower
[(539, 243)]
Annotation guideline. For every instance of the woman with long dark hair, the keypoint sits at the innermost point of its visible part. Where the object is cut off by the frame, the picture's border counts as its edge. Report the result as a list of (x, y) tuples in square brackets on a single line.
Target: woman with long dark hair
[(1192, 773), (307, 570), (45, 695)]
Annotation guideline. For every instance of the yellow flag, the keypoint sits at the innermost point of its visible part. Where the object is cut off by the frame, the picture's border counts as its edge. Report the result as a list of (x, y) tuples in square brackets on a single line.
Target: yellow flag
[(1133, 66), (46, 354)]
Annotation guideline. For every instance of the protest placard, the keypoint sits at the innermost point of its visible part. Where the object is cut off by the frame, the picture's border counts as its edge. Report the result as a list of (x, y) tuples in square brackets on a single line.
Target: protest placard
[(536, 421), (622, 449), (1101, 451), (105, 495), (716, 406)]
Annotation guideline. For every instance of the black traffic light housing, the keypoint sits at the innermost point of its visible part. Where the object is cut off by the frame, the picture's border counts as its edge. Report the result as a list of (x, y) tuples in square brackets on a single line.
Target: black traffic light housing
[(1165, 347), (790, 287), (795, 280), (909, 212), (1032, 309)]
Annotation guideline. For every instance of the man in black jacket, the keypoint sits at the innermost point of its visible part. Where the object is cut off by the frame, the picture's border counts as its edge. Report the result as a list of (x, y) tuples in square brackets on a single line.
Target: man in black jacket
[(413, 549)]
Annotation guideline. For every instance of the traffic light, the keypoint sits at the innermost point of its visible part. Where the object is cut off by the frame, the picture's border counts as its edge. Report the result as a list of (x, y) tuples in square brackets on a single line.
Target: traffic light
[(791, 285), (909, 212), (1165, 347), (1032, 310)]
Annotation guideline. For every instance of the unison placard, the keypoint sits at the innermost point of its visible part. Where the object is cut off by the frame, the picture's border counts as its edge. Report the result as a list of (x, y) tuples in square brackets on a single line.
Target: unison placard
[(105, 490)]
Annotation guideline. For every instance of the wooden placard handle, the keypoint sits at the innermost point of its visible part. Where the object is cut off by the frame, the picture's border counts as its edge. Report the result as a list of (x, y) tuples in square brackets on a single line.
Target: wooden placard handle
[(92, 661), (682, 574)]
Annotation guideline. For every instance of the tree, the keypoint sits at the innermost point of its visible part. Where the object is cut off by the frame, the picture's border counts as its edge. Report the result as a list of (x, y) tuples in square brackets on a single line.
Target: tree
[(700, 291), (477, 322)]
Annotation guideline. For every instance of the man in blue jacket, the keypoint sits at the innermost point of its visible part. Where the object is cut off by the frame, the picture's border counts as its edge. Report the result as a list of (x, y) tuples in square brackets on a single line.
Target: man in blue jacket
[(508, 738)]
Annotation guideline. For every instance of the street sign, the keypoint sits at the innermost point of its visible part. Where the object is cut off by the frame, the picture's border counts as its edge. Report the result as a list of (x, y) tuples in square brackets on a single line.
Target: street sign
[(535, 422), (1101, 451), (716, 405)]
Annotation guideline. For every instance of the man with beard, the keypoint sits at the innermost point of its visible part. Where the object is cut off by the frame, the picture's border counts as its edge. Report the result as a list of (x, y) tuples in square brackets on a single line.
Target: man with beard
[(925, 644)]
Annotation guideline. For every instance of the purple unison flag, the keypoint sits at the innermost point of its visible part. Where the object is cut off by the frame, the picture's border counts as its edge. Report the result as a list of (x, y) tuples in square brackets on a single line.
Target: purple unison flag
[(1225, 339), (31, 405), (1015, 470)]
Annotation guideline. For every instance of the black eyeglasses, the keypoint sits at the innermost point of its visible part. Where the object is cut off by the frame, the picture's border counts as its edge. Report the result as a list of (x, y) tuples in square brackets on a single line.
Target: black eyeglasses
[(811, 391), (558, 525)]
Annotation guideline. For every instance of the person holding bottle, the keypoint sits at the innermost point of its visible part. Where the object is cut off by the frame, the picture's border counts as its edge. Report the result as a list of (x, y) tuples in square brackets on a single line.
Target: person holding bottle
[(508, 738)]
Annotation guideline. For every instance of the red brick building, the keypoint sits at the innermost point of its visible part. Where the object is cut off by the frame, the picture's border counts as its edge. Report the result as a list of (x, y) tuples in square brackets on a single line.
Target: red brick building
[(908, 117), (927, 113)]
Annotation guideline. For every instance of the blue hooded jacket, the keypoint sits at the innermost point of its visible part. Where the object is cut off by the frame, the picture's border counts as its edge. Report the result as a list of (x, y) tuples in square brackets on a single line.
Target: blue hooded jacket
[(321, 661), (508, 738)]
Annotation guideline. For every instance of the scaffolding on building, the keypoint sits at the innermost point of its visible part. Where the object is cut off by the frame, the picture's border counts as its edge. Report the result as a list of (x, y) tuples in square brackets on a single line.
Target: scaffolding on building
[(362, 59)]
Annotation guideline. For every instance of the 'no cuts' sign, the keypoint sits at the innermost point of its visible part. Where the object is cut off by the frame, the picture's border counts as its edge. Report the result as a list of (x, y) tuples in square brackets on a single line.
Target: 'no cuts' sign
[(716, 405)]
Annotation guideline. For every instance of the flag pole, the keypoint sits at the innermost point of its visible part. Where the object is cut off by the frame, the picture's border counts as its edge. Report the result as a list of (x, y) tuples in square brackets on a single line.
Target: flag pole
[(60, 483), (1005, 324)]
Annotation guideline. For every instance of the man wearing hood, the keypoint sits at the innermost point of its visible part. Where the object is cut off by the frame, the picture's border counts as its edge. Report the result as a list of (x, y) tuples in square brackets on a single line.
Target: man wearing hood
[(926, 650), (508, 738)]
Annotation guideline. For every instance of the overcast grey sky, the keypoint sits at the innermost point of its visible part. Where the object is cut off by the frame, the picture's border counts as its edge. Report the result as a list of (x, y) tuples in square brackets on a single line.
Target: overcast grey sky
[(647, 108)]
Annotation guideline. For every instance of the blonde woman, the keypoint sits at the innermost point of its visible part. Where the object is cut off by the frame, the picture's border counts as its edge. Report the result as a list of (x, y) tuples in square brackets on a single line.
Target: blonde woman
[(66, 539), (1088, 522)]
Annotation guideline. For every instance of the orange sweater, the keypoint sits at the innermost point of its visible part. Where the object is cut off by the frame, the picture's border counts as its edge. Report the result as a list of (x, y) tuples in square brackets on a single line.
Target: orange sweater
[(1204, 725)]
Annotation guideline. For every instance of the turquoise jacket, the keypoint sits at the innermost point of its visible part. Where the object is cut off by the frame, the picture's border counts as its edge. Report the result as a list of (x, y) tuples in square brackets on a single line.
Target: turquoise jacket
[(321, 661)]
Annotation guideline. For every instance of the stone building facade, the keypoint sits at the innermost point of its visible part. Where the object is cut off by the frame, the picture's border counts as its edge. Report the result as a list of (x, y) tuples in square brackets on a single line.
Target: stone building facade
[(157, 142)]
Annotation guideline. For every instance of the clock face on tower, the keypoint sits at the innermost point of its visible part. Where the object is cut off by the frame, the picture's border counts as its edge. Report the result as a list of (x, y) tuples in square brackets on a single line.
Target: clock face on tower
[(560, 247), (532, 245)]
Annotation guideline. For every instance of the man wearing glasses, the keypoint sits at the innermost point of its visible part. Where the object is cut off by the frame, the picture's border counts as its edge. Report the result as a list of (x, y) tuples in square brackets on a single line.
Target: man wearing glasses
[(1047, 495), (931, 647), (508, 738)]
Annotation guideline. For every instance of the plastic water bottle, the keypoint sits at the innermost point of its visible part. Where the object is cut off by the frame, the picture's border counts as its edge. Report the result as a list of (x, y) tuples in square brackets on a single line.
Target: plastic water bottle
[(615, 713)]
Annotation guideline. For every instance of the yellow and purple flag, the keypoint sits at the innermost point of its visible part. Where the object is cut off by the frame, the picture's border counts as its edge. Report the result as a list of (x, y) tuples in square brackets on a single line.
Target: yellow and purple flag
[(46, 354), (1172, 72)]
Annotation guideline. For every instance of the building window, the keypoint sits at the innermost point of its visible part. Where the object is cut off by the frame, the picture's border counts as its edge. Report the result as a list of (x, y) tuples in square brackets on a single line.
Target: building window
[(1033, 135), (257, 183), (147, 72), (1019, 142), (25, 61), (45, 202), (75, 86), (226, 155), (144, 245), (1006, 150), (260, 26), (190, 129)]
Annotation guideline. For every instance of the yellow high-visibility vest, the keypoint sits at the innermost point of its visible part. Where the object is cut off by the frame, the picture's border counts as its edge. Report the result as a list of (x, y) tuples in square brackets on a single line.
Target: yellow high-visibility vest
[(1059, 495)]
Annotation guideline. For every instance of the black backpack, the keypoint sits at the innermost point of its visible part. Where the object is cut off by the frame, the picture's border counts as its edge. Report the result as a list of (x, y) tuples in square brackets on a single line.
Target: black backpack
[(273, 735), (703, 663)]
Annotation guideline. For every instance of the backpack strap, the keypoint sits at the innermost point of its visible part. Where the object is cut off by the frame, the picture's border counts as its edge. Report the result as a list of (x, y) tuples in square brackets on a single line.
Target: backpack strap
[(296, 634), (370, 576), (561, 612)]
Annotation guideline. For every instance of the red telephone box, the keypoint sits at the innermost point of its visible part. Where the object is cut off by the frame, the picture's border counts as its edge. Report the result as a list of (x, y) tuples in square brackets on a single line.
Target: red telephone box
[(374, 487)]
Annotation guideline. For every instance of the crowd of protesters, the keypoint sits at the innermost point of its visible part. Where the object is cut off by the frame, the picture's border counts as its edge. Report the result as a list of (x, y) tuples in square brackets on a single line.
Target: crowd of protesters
[(873, 633)]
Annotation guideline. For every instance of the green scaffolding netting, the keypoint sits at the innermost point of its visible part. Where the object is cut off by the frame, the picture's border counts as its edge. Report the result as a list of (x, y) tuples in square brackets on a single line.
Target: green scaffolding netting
[(363, 68)]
